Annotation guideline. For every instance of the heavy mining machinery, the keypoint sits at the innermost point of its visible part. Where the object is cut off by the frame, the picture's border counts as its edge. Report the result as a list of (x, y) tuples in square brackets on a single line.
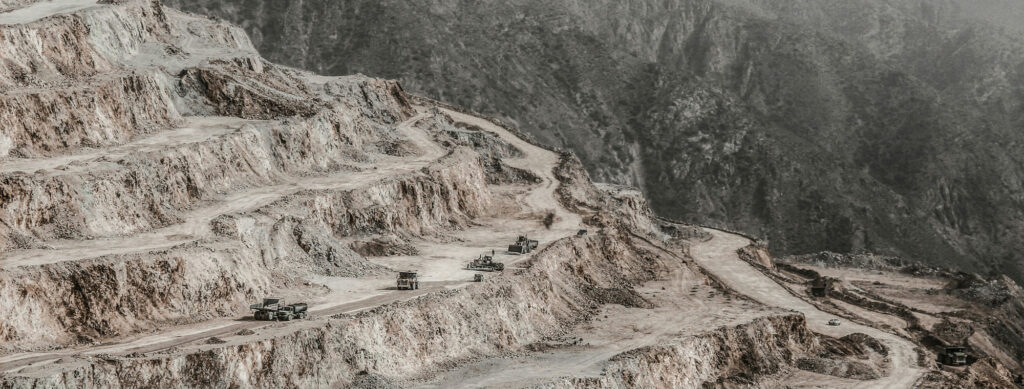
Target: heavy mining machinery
[(273, 308), (408, 280), (954, 356), (485, 263), (523, 245)]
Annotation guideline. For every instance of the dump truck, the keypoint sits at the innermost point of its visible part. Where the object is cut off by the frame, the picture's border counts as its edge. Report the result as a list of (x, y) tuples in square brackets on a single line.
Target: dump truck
[(954, 356), (292, 311), (485, 263), (267, 310), (273, 308), (523, 245), (408, 280)]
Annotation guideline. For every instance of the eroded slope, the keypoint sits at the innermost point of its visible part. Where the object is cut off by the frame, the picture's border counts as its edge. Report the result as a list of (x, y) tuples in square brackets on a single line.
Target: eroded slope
[(159, 176)]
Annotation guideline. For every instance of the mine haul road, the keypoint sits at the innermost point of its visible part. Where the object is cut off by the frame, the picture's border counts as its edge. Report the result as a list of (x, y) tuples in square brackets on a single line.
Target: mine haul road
[(718, 256), (538, 198)]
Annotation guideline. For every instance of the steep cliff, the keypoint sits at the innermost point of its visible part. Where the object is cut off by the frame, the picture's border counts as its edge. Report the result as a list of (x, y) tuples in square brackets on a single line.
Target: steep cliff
[(159, 177)]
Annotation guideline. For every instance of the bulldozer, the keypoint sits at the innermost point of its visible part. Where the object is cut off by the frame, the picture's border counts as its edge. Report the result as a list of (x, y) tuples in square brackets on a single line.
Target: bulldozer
[(273, 308), (523, 245), (408, 280), (485, 263)]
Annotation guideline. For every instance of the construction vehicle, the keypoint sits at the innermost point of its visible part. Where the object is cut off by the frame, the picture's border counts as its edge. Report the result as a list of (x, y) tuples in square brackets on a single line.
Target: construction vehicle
[(292, 311), (523, 245), (485, 263), (581, 232), (408, 280), (954, 356), (273, 308), (478, 277)]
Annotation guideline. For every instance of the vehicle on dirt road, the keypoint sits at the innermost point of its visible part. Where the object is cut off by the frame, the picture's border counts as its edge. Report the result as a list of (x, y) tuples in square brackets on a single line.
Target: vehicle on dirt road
[(523, 245), (834, 322), (478, 277), (273, 308), (293, 311), (485, 263), (954, 356), (408, 280)]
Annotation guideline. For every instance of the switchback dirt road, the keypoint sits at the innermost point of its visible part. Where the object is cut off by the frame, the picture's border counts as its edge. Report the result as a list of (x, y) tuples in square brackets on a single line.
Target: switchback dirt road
[(537, 198)]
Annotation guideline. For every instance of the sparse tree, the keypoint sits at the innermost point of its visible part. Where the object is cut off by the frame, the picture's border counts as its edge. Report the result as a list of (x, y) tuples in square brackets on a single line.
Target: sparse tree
[(549, 219)]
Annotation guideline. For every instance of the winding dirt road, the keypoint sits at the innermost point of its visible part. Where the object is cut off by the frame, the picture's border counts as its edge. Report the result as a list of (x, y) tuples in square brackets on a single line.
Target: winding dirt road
[(196, 223), (45, 9), (535, 159), (196, 226), (719, 257)]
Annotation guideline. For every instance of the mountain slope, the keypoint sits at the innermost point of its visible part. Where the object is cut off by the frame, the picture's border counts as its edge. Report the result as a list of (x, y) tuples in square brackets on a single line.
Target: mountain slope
[(890, 126)]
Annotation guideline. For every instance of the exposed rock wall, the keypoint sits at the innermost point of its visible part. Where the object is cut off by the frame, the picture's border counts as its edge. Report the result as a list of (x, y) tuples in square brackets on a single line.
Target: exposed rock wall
[(141, 191), (78, 302), (43, 122), (724, 357), (71, 302), (400, 339)]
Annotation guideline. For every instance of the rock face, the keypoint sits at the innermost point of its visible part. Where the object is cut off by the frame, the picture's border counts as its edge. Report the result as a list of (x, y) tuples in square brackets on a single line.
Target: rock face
[(131, 127), (818, 124), (159, 176)]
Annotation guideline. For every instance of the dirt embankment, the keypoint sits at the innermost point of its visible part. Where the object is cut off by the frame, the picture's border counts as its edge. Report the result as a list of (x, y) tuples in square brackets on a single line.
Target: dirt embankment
[(78, 301), (148, 189), (67, 88), (222, 178), (937, 307), (400, 339), (728, 356)]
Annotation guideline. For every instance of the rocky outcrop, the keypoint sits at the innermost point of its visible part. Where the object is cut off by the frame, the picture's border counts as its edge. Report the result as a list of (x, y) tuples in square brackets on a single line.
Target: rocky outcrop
[(92, 116), (757, 255), (84, 301), (403, 339), (169, 181), (133, 235), (78, 301), (724, 357)]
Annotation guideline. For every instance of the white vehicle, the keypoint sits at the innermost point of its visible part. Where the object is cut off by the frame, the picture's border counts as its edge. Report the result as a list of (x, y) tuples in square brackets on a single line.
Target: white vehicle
[(833, 322)]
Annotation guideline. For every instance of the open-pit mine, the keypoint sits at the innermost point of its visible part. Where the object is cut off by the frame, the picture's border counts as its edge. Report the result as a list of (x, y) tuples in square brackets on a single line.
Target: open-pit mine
[(159, 180)]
